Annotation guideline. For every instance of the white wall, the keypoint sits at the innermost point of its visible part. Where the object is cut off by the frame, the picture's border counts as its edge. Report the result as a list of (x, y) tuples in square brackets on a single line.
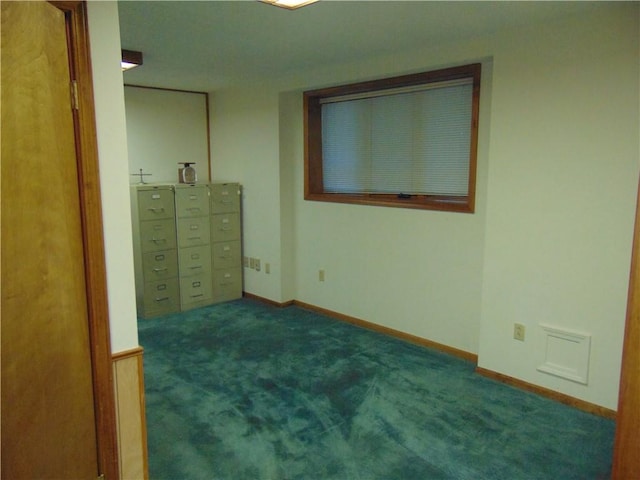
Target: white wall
[(244, 148), (551, 237), (104, 32), (165, 127), (394, 267), (562, 179)]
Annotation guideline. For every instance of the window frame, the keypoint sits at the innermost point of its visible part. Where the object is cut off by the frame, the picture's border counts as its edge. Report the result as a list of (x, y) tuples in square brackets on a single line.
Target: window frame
[(313, 172)]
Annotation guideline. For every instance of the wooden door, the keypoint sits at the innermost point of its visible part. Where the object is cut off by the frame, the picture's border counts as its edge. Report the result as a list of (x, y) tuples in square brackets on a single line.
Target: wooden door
[(49, 419), (626, 457)]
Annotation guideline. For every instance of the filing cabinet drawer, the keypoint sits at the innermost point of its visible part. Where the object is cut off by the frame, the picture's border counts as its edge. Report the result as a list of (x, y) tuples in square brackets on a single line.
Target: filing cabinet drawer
[(193, 231), (157, 235), (192, 201), (227, 284), (195, 290), (159, 265), (226, 254), (225, 198), (155, 204), (161, 297), (195, 260), (225, 226)]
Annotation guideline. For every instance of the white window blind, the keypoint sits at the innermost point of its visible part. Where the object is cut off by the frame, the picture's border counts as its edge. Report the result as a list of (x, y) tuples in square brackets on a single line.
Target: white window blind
[(411, 142)]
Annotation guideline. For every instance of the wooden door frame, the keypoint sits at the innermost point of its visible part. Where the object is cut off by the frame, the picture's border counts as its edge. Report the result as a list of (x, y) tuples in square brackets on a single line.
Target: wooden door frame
[(626, 454), (92, 232)]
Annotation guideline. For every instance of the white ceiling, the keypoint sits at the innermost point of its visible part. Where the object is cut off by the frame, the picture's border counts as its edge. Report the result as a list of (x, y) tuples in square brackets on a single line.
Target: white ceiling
[(206, 45)]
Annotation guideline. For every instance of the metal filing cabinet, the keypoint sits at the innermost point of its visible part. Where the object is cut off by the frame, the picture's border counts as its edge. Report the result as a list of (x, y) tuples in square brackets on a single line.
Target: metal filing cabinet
[(226, 241), (187, 246), (194, 245), (155, 255)]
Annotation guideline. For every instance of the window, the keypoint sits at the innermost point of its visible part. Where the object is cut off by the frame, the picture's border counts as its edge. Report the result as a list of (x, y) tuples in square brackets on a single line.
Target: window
[(406, 141)]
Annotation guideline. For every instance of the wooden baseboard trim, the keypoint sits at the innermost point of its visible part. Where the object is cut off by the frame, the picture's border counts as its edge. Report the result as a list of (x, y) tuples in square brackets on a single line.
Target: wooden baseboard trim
[(471, 357), (143, 416), (268, 301), (134, 352), (552, 394), (135, 356)]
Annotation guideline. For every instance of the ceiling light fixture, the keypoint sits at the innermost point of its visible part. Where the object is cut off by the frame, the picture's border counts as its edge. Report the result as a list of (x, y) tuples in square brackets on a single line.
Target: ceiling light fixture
[(130, 59), (289, 4)]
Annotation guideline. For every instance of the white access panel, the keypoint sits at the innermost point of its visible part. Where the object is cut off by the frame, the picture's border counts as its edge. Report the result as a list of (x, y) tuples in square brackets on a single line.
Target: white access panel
[(564, 353)]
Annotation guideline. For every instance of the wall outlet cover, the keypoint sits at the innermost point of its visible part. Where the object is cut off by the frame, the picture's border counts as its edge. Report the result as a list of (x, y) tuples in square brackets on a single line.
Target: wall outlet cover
[(519, 331)]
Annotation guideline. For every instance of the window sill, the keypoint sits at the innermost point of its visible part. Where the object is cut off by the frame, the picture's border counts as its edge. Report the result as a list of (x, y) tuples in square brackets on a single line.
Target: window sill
[(416, 202)]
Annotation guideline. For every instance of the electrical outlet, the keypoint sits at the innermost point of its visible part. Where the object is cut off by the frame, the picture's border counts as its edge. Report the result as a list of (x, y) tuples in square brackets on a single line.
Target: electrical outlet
[(321, 275), (257, 264), (518, 331)]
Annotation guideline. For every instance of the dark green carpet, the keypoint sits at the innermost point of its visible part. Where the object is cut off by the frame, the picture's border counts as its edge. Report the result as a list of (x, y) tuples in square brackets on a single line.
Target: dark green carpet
[(244, 390)]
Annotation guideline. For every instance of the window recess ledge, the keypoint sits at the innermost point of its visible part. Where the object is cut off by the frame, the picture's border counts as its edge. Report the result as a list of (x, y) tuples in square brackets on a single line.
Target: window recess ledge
[(416, 202)]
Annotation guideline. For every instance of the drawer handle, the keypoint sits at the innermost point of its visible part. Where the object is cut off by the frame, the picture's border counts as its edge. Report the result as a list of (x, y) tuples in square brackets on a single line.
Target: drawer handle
[(193, 209), (156, 209), (224, 256), (157, 269), (198, 295), (193, 238), (159, 240), (225, 229), (195, 267), (195, 284), (162, 299)]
